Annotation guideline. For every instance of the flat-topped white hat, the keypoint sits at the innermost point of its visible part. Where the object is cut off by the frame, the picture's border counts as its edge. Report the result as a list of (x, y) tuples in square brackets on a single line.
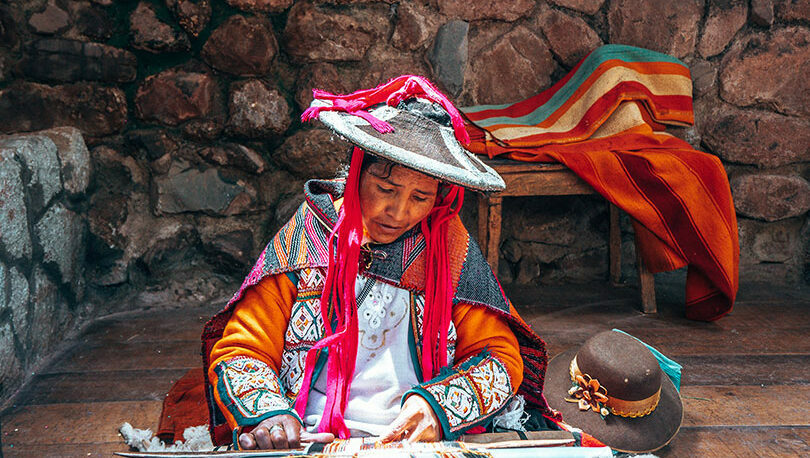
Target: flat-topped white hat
[(409, 122)]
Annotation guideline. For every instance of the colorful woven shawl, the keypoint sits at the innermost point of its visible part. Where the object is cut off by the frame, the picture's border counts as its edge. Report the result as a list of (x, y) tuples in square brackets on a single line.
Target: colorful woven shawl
[(605, 122), (303, 243)]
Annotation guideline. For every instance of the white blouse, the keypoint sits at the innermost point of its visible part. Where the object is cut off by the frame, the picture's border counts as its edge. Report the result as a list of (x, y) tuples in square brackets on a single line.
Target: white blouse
[(384, 369)]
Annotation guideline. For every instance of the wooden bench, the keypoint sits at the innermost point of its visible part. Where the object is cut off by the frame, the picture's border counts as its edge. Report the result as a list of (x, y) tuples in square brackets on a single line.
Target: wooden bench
[(527, 179)]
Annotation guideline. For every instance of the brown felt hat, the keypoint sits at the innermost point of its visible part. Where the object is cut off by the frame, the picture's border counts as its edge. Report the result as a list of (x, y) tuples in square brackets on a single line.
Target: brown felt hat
[(613, 389)]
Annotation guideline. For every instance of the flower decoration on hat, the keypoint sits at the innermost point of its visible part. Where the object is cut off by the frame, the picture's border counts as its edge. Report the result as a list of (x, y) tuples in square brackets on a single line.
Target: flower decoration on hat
[(589, 394)]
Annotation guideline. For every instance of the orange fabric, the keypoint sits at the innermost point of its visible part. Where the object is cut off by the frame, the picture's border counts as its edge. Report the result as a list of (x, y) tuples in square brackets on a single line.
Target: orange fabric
[(183, 407), (478, 328), (530, 104), (678, 108), (258, 324), (457, 244), (256, 329), (603, 120), (680, 197)]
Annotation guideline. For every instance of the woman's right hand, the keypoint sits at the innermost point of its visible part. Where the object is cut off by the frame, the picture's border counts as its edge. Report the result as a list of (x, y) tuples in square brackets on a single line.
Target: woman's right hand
[(280, 432)]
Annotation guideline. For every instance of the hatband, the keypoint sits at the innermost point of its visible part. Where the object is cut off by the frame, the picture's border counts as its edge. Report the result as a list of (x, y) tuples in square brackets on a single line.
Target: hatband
[(616, 406)]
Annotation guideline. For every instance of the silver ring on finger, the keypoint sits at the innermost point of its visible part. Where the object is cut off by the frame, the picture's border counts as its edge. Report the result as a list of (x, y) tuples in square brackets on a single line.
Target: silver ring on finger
[(276, 427)]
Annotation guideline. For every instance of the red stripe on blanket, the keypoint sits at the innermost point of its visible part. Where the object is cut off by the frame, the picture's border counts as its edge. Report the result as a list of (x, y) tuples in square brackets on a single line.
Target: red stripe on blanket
[(678, 194)]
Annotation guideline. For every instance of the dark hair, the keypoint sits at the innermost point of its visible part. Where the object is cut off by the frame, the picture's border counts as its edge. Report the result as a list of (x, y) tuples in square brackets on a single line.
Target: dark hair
[(388, 165), (368, 160), (371, 159)]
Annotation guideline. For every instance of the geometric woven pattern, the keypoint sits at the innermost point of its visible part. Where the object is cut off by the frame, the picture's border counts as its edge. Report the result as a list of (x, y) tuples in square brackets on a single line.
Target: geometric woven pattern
[(604, 121), (303, 321), (418, 316), (304, 329), (299, 251), (250, 389), (292, 370), (451, 343), (469, 395)]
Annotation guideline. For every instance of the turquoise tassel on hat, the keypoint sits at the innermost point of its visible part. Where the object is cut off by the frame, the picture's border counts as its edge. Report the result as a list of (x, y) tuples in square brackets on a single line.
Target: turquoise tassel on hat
[(670, 367)]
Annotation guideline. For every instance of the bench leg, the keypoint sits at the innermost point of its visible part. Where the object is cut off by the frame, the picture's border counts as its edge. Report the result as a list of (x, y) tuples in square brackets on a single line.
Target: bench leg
[(493, 231), (646, 283), (615, 246)]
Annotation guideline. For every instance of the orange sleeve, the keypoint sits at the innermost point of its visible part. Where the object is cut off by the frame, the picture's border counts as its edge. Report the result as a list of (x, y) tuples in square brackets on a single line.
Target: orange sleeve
[(487, 372), (252, 344), (479, 328), (259, 321)]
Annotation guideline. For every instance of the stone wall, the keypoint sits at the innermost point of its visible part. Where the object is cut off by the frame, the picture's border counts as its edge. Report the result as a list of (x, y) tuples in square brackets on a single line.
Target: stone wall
[(190, 108), (43, 180)]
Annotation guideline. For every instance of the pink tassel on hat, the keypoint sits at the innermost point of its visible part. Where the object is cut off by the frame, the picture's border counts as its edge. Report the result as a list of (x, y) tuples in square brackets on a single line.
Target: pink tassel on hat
[(438, 284), (338, 293), (338, 296), (355, 107), (394, 91)]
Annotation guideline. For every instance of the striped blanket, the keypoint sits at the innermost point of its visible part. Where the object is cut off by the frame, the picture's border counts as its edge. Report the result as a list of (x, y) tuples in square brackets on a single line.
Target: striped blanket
[(605, 121)]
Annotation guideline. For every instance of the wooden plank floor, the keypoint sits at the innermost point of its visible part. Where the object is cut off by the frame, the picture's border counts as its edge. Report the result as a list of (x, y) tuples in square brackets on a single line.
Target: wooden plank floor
[(746, 381), (118, 371)]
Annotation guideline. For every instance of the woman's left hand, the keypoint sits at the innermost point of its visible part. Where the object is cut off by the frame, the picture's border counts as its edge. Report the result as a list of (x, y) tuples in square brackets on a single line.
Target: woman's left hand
[(416, 422)]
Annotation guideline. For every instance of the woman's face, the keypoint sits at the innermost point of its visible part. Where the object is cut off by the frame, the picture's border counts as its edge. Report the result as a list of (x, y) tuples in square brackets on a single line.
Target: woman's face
[(394, 204)]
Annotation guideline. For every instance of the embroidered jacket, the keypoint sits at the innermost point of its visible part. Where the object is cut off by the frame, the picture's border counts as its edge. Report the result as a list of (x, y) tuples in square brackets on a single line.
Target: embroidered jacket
[(463, 396)]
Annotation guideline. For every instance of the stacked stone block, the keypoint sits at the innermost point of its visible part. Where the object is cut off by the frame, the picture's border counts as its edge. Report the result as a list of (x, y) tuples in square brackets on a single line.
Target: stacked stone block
[(43, 180), (190, 111)]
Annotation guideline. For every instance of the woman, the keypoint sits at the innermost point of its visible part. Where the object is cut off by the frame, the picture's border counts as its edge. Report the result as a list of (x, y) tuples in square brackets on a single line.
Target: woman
[(372, 312)]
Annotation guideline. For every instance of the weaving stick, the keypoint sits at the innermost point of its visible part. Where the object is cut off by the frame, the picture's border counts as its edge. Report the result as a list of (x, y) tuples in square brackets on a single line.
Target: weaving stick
[(529, 443), (479, 442)]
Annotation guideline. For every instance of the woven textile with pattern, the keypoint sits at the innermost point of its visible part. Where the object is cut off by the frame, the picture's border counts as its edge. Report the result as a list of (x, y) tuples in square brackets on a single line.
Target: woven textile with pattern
[(605, 121)]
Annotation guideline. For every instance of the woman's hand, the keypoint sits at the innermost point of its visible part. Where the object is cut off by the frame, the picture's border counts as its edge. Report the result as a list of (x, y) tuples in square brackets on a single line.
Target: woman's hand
[(416, 422), (280, 432)]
